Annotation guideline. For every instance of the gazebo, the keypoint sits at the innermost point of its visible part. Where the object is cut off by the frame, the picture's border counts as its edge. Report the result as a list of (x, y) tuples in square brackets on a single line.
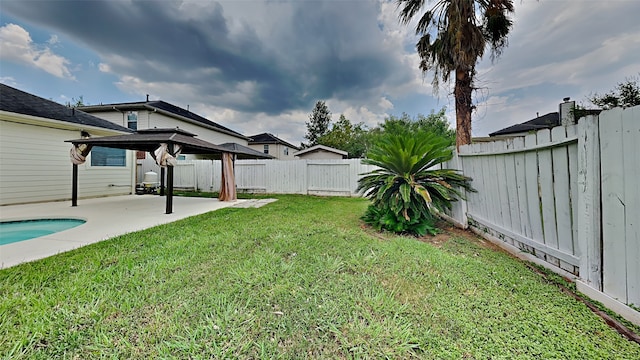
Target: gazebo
[(164, 145)]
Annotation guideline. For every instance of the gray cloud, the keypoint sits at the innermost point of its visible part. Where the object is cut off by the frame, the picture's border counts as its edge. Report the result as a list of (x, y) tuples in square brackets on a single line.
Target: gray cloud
[(557, 49), (260, 65), (313, 50)]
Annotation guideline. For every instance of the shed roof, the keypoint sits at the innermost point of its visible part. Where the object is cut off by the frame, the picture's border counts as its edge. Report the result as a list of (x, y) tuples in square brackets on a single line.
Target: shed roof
[(20, 102), (320, 148)]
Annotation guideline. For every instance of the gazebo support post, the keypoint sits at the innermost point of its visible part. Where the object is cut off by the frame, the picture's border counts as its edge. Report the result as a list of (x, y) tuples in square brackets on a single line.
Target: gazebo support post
[(170, 183), (161, 181), (74, 186)]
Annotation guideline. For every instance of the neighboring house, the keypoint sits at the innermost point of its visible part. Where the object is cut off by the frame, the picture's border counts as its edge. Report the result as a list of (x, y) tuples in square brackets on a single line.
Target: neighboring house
[(160, 114), (564, 116), (272, 145), (34, 159), (320, 152), (547, 121)]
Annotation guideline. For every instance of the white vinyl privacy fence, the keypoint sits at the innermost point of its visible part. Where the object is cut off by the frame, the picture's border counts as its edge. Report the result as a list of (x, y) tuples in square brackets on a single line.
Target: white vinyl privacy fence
[(570, 196), (312, 177)]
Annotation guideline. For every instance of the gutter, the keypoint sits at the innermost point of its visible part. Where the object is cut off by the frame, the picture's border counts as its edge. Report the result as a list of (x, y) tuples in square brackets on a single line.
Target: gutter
[(55, 124)]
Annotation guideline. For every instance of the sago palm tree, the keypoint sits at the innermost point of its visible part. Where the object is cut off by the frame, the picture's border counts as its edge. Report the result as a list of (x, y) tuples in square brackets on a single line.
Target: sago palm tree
[(406, 187), (453, 37)]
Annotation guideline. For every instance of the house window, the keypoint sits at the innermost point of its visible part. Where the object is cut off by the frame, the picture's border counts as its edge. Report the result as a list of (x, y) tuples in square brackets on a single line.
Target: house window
[(266, 149), (132, 120), (286, 151), (101, 156)]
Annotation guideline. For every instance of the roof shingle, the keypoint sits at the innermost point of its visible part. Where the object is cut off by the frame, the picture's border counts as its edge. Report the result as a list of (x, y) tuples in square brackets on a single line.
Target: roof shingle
[(20, 102)]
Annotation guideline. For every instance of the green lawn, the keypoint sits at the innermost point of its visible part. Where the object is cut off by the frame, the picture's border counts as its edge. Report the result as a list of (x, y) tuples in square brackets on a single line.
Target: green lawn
[(298, 278)]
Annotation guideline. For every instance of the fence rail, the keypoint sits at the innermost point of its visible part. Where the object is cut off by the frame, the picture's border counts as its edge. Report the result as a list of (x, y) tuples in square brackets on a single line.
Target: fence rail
[(527, 192)]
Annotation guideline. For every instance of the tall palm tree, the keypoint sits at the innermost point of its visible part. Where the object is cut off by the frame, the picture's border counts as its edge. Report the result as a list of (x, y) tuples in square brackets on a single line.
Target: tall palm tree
[(453, 36)]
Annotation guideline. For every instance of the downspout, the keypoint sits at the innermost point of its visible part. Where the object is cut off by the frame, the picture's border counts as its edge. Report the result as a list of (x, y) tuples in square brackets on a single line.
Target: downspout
[(149, 117)]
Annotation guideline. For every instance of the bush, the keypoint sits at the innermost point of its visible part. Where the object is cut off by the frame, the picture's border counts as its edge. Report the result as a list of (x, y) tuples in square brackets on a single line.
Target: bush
[(404, 191)]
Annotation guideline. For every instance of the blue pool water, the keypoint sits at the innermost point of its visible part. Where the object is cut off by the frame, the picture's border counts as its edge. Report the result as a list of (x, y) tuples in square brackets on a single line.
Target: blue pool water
[(14, 231)]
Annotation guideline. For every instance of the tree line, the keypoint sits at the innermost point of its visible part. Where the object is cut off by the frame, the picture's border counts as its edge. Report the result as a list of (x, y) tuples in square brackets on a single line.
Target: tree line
[(357, 138)]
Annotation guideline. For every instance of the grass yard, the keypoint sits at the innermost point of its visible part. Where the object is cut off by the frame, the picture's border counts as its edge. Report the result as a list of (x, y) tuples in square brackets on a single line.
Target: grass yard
[(298, 278)]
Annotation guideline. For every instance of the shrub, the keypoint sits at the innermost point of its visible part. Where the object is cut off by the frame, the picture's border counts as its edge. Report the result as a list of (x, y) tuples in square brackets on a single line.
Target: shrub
[(405, 190)]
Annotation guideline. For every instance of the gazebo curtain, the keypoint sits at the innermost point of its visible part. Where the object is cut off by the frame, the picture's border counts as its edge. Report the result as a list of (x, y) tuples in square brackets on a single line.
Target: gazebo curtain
[(79, 153), (163, 156), (228, 186)]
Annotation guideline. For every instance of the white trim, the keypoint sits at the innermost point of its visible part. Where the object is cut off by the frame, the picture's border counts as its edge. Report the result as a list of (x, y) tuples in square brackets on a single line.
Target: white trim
[(320, 147), (56, 124)]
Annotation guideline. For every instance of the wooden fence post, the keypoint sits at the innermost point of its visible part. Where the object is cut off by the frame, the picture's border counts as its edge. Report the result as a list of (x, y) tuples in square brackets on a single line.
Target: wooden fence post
[(589, 215)]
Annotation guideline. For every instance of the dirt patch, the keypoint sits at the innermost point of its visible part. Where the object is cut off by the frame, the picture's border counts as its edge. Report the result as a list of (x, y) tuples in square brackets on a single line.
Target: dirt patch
[(449, 231)]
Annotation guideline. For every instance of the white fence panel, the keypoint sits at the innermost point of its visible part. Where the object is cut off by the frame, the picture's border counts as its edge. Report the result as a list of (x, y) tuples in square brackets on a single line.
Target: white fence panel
[(250, 176), (286, 177), (589, 223), (184, 176), (562, 196), (620, 164), (524, 197), (329, 178)]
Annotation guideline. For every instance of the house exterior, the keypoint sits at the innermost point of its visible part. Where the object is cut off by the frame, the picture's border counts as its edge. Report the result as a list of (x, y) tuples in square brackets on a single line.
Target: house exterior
[(317, 152), (272, 145), (160, 114), (564, 116), (34, 159), (546, 121)]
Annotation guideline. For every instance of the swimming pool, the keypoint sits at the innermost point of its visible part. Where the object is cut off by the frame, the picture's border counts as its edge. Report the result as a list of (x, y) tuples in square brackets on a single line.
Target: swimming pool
[(14, 231)]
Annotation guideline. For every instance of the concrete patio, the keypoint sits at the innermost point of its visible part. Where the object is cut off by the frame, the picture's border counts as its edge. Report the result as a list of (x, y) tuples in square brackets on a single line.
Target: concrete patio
[(106, 218)]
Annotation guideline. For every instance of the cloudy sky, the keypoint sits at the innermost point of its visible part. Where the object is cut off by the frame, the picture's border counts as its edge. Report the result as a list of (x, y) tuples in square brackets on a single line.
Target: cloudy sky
[(260, 66)]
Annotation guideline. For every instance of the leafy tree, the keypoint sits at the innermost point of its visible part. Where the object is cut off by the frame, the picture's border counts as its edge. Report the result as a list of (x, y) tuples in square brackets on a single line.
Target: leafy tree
[(346, 136), (626, 94), (453, 36), (436, 123), (404, 191), (318, 123)]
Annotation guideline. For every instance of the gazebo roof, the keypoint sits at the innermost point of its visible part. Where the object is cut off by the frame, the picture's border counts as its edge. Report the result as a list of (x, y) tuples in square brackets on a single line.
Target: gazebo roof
[(149, 139)]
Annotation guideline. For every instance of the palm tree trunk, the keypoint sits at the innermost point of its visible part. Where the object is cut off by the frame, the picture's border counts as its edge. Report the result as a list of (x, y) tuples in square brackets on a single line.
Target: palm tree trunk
[(462, 93)]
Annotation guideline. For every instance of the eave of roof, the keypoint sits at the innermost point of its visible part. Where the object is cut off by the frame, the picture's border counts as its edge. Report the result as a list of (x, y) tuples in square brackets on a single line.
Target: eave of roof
[(546, 121), (17, 101), (58, 124)]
